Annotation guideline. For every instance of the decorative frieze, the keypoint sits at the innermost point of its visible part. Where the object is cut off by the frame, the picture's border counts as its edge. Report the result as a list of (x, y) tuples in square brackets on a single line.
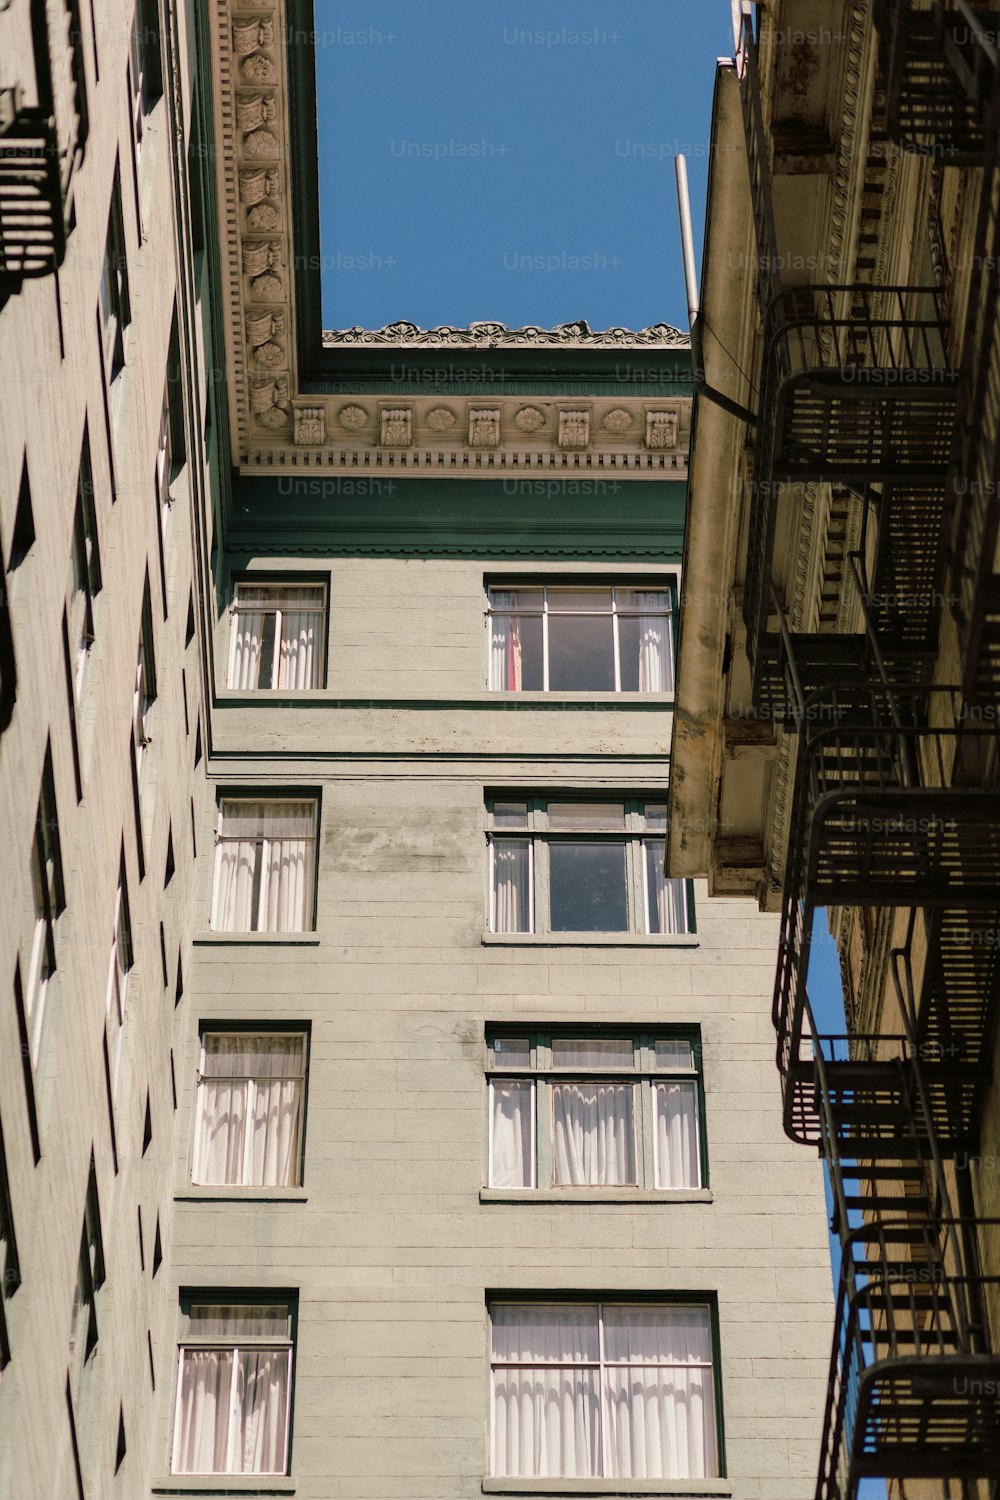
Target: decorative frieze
[(499, 336)]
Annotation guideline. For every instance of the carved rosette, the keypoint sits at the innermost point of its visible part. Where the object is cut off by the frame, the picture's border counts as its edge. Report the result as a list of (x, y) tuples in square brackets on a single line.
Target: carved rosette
[(529, 419), (617, 421), (574, 428), (352, 417), (441, 419)]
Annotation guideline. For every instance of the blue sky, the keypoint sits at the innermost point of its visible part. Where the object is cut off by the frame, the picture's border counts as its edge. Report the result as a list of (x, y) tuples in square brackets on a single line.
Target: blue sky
[(510, 162), (827, 999)]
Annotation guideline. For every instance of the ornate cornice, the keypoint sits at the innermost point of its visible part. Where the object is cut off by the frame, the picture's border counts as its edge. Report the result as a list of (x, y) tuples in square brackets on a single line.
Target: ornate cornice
[(276, 424), (499, 336)]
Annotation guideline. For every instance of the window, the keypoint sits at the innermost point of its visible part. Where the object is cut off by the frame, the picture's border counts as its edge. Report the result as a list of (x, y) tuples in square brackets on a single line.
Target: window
[(581, 866), (8, 663), (115, 312), (49, 900), (234, 1384), (277, 637), (89, 1278), (265, 866), (145, 72), (86, 569), (144, 694), (118, 972), (251, 1094), (573, 639), (10, 1271), (595, 1110), (622, 1390)]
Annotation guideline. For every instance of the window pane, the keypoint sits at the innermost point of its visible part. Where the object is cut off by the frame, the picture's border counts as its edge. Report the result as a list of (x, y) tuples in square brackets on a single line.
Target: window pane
[(593, 1130), (570, 815), (542, 1333), (201, 1441), (232, 1321), (516, 660), (260, 1439), (645, 642), (265, 865), (660, 1401), (545, 1416), (678, 1160), (656, 816), (564, 600), (673, 1053), (666, 900), (511, 895), (592, 1052), (512, 1051), (581, 653), (546, 1421), (587, 887), (516, 599), (510, 814), (512, 1108)]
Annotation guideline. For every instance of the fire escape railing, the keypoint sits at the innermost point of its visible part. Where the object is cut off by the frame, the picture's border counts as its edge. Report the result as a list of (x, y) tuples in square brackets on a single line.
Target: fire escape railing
[(877, 821), (939, 64), (891, 804), (41, 148), (857, 390)]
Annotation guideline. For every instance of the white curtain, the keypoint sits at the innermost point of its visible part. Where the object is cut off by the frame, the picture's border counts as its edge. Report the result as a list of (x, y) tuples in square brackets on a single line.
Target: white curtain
[(660, 1407), (593, 1126), (678, 1159), (244, 646), (232, 1411), (546, 1419), (505, 643), (511, 1156), (277, 837), (249, 1111), (655, 643), (666, 900), (297, 668), (511, 885), (290, 619)]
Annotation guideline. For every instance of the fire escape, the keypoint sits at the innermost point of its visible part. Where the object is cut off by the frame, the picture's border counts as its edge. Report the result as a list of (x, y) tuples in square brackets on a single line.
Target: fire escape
[(895, 803), (43, 134)]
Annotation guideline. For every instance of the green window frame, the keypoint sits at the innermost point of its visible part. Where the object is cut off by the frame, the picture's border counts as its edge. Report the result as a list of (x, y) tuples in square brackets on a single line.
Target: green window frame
[(527, 1067), (523, 829)]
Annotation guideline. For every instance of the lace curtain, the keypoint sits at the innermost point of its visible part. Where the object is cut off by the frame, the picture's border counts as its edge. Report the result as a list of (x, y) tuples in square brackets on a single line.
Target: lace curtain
[(511, 885), (232, 1411), (593, 1128), (505, 643)]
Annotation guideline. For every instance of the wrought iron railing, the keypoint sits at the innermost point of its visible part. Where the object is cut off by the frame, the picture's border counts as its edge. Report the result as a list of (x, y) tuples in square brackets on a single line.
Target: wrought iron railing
[(940, 66)]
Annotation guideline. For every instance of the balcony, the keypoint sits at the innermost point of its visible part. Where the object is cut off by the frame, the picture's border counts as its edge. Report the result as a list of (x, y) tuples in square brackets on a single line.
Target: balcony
[(974, 482), (42, 147), (877, 821), (940, 65)]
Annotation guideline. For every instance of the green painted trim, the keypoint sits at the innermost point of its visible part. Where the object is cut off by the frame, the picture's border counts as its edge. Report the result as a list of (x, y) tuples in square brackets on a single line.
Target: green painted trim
[(490, 520), (665, 371)]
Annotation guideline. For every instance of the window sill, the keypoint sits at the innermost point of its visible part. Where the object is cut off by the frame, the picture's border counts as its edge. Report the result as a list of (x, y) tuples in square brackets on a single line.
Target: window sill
[(220, 1194), (224, 1484), (528, 1486), (256, 939), (572, 1195), (590, 939)]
